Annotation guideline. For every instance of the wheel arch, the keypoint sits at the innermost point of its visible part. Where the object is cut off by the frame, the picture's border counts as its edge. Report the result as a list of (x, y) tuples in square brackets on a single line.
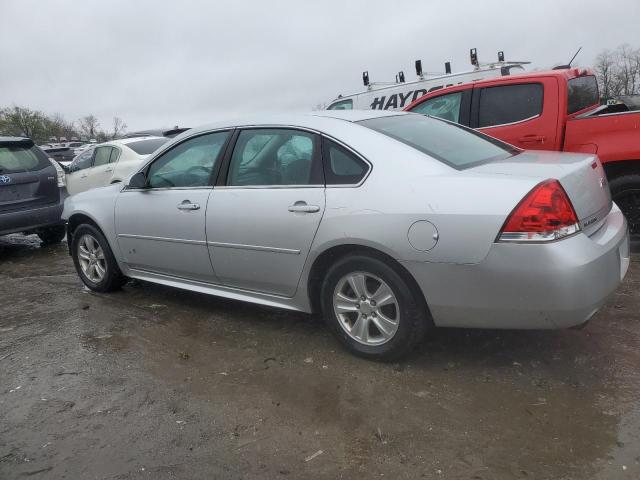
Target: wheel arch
[(77, 219), (323, 262), (621, 168)]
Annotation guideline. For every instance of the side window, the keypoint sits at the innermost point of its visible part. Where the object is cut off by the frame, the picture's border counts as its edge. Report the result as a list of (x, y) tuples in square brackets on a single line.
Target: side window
[(273, 157), (115, 154), (509, 104), (82, 161), (189, 164), (341, 167), (446, 107), (341, 105), (102, 156)]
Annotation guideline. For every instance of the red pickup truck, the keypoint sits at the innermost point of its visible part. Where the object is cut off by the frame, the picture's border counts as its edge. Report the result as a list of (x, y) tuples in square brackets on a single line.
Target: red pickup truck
[(551, 110)]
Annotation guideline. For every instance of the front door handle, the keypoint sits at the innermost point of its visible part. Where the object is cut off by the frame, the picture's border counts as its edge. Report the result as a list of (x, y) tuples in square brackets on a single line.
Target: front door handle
[(303, 207), (187, 205), (532, 139)]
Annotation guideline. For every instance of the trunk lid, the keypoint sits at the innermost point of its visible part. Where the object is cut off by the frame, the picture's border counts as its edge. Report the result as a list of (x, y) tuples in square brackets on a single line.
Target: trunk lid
[(27, 177), (582, 177)]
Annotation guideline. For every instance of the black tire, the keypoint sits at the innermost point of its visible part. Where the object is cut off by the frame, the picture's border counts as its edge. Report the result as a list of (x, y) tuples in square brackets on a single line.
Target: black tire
[(414, 320), (625, 191), (51, 235), (113, 278)]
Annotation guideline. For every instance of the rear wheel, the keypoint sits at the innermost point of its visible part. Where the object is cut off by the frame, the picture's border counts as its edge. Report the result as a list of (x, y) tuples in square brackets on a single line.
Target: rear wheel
[(50, 235), (371, 308), (94, 260), (625, 191)]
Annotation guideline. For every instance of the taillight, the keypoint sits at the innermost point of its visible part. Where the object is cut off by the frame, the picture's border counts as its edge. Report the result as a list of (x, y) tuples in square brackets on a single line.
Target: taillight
[(61, 176), (544, 214)]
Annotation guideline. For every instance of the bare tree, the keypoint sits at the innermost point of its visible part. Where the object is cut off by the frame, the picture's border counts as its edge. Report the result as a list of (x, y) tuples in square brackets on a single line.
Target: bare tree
[(119, 128), (605, 69), (89, 126), (618, 71), (20, 121)]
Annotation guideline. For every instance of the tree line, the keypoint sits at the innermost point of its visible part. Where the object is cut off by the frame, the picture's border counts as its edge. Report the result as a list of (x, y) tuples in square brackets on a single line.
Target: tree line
[(618, 71), (25, 122)]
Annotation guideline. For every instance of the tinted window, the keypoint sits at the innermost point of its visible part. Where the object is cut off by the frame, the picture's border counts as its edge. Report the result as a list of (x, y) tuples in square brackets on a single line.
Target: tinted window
[(446, 107), (189, 164), (103, 154), (16, 158), (341, 105), (342, 167), (509, 103), (451, 144), (147, 147), (583, 93), (272, 157), (82, 161)]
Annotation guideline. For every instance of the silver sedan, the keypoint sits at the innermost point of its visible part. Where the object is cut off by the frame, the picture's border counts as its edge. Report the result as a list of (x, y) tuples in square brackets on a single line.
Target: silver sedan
[(387, 223)]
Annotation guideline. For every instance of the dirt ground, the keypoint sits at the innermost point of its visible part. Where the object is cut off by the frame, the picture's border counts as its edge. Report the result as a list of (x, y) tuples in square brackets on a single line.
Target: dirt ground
[(157, 383)]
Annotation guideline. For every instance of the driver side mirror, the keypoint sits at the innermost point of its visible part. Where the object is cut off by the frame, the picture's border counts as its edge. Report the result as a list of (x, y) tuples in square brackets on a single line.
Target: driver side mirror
[(139, 180)]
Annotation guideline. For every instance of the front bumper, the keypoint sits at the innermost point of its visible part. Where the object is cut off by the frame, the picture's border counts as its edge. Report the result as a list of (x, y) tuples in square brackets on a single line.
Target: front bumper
[(529, 286)]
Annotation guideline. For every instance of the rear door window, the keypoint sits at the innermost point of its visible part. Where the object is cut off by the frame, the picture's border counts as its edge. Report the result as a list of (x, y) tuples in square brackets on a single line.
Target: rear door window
[(509, 104), (103, 154), (583, 93), (274, 156), (21, 157)]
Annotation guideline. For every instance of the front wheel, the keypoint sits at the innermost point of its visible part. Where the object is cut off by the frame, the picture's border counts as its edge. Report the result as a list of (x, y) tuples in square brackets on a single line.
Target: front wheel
[(625, 191), (94, 260), (371, 308)]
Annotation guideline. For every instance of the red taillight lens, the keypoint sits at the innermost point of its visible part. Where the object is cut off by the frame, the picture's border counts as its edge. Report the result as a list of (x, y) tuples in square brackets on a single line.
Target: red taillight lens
[(544, 214)]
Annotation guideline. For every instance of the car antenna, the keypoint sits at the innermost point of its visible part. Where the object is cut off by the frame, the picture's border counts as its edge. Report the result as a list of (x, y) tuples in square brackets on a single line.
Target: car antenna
[(568, 65)]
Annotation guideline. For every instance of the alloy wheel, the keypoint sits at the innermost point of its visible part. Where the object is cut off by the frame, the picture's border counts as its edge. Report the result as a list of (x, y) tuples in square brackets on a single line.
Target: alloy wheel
[(91, 258), (366, 308)]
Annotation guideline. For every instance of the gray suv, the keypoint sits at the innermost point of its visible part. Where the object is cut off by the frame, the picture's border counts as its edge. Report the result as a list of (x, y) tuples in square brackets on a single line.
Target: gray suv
[(32, 191)]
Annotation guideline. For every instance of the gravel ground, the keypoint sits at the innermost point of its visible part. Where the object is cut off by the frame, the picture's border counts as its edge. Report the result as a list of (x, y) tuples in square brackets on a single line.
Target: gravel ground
[(156, 383)]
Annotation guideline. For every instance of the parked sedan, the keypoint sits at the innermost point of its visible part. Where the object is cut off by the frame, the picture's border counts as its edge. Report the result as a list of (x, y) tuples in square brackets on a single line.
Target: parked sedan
[(387, 223), (109, 162), (31, 191)]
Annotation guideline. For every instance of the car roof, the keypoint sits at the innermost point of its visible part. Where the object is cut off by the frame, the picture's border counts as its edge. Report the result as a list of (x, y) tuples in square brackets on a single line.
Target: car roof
[(312, 120), (126, 141)]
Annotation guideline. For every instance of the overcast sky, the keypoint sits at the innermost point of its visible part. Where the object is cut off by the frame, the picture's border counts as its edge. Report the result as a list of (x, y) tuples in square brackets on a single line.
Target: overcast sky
[(161, 63)]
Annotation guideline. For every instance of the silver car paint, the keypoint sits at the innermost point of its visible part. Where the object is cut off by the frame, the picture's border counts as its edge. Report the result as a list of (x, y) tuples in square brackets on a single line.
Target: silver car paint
[(404, 186)]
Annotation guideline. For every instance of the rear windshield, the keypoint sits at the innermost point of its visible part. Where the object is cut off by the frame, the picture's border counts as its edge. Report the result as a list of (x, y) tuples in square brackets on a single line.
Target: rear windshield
[(146, 147), (583, 93), (452, 144), (21, 157)]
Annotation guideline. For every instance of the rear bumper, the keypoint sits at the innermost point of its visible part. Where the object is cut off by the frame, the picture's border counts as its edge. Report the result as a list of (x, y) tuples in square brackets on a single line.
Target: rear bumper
[(530, 286), (33, 218)]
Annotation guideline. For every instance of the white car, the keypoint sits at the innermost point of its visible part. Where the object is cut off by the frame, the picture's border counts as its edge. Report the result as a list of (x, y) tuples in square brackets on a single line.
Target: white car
[(109, 162)]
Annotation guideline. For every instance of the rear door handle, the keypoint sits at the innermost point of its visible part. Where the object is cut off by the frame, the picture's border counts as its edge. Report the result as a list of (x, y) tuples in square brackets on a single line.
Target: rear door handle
[(108, 170), (303, 207), (532, 139), (187, 205)]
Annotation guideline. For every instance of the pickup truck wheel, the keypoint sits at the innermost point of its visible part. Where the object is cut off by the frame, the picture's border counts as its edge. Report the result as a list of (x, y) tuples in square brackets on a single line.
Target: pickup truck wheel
[(625, 191), (51, 235)]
